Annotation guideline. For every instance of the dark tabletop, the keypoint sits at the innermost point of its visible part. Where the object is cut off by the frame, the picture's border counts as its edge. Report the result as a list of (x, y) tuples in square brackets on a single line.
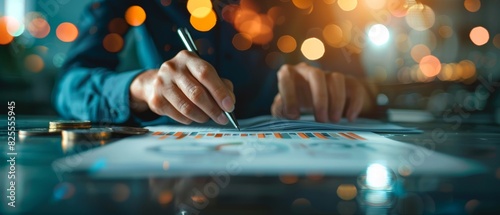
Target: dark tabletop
[(41, 190)]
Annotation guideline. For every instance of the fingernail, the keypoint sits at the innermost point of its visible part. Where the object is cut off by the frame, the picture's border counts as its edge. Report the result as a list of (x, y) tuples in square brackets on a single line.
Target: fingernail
[(228, 104), (222, 119)]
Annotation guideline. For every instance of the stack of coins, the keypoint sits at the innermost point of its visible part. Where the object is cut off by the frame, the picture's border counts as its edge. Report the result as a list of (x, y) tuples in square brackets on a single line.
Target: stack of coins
[(69, 124), (77, 131)]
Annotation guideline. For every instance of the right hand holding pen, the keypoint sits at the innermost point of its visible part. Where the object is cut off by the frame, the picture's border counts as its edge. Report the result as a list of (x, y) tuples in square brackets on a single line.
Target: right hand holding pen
[(186, 89)]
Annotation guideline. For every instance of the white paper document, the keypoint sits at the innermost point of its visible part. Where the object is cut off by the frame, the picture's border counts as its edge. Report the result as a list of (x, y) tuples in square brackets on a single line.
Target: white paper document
[(172, 151)]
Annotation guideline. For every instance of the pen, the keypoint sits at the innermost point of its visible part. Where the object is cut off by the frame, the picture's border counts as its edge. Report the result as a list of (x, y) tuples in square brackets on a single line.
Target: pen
[(191, 46)]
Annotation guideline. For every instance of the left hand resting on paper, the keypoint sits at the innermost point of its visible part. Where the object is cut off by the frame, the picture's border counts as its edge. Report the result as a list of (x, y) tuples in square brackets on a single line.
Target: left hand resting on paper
[(329, 95)]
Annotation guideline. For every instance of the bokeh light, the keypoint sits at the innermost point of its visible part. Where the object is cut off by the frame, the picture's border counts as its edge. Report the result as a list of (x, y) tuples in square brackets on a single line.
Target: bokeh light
[(468, 69), (199, 8), (347, 5), (398, 8), (333, 35), (67, 32), (287, 44), (445, 31), (312, 48), (479, 35), (375, 4), (135, 15), (430, 65), (34, 63), (378, 34), (39, 27), (5, 37), (378, 177), (496, 41), (14, 27), (113, 42), (204, 24), (120, 192), (303, 4), (242, 41), (420, 17), (419, 51), (347, 192), (472, 5), (288, 179), (118, 25), (165, 197)]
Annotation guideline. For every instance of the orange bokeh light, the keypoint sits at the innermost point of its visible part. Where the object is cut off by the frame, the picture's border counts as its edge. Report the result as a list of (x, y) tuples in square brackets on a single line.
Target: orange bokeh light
[(135, 15), (67, 32), (113, 42), (430, 66), (39, 28), (5, 37), (313, 48), (479, 35), (302, 4), (34, 63), (347, 5), (204, 24), (333, 35), (199, 8), (419, 51), (118, 25), (496, 41), (242, 41), (472, 5), (287, 44)]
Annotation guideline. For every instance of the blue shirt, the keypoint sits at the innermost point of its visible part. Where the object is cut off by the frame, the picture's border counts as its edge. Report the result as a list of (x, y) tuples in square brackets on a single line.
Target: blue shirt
[(90, 88)]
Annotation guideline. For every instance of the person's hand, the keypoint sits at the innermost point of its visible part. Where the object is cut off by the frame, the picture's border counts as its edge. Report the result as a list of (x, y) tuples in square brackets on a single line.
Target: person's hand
[(185, 88), (303, 88)]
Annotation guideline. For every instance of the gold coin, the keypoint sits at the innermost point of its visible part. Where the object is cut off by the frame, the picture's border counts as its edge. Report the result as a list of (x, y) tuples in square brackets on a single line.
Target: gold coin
[(66, 124), (92, 134)]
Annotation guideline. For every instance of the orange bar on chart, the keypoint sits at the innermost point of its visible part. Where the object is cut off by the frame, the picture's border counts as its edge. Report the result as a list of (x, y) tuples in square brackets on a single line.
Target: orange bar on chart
[(321, 136), (261, 135), (157, 133), (347, 136), (356, 136), (218, 135), (278, 135), (303, 135), (244, 135)]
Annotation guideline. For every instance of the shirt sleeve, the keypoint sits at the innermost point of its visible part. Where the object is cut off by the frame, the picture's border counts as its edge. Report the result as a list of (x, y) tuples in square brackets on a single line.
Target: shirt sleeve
[(89, 87)]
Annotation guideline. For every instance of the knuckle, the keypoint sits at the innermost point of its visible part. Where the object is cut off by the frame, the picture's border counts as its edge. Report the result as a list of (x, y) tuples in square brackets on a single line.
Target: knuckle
[(168, 66), (195, 93), (186, 108), (183, 54), (156, 102), (204, 71)]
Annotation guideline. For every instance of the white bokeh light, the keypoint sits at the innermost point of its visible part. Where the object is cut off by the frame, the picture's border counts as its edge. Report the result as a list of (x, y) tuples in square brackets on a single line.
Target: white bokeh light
[(378, 34)]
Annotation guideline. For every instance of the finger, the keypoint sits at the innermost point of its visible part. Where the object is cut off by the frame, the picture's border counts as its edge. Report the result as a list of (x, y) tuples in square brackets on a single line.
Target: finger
[(159, 105), (208, 77), (286, 86), (198, 96), (182, 104), (354, 93), (277, 106), (230, 86), (337, 94), (319, 91)]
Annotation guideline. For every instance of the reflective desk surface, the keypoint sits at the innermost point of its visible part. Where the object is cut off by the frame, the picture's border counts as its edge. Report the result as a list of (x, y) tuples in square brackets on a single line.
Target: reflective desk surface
[(40, 190)]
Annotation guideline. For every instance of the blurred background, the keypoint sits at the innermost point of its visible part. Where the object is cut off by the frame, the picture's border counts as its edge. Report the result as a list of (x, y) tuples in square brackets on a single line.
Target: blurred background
[(435, 57)]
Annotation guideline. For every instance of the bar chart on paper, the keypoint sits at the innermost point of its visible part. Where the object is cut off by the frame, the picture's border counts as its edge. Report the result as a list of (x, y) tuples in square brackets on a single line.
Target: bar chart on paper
[(263, 146), (179, 135)]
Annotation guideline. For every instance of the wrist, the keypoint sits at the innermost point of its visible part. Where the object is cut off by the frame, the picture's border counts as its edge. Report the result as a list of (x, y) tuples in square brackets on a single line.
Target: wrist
[(138, 99)]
